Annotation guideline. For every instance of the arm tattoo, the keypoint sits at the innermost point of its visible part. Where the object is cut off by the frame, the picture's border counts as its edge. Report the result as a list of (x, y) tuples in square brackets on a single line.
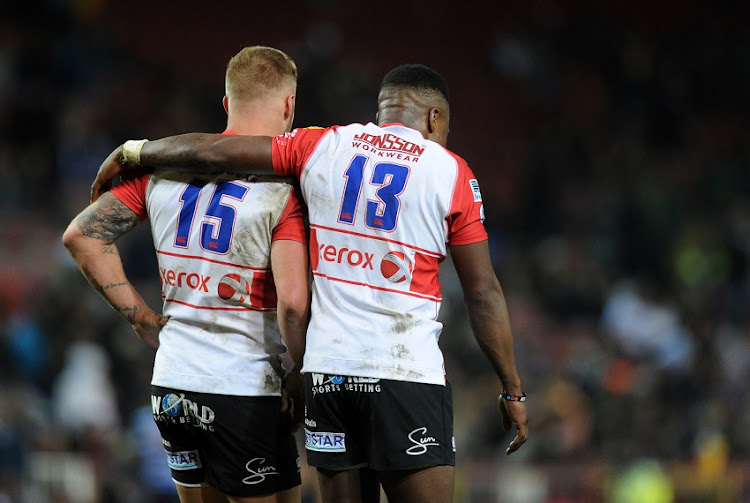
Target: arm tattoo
[(129, 312), (103, 288), (114, 285), (107, 219), (110, 250)]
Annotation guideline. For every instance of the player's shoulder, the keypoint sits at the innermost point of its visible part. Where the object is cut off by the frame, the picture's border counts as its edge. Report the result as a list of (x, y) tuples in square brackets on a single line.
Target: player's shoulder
[(460, 161), (353, 127), (314, 130), (301, 137), (338, 133), (445, 161)]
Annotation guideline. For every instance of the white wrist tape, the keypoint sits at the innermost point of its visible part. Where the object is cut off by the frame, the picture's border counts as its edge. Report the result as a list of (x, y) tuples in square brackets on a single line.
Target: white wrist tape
[(131, 151)]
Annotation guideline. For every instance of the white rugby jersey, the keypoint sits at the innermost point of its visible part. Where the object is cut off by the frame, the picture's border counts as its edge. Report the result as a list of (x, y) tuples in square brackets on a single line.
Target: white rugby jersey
[(383, 204), (213, 237)]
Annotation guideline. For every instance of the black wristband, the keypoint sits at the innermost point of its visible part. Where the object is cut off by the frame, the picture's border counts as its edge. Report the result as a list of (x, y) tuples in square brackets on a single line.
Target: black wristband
[(513, 398)]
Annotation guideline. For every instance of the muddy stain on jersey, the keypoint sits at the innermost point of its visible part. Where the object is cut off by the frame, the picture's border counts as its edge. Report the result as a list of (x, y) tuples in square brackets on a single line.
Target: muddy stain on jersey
[(403, 322), (271, 382), (251, 244), (400, 351)]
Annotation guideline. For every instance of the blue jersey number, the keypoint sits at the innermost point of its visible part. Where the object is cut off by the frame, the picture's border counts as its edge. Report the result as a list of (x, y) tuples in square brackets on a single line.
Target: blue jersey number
[(217, 226), (380, 213)]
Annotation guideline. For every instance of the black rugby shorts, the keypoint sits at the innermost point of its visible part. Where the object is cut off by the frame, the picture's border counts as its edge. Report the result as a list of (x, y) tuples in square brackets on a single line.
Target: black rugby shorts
[(239, 445), (353, 422)]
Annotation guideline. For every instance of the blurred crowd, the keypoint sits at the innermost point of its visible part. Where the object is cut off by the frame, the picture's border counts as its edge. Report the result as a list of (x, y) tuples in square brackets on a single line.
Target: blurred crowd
[(612, 145)]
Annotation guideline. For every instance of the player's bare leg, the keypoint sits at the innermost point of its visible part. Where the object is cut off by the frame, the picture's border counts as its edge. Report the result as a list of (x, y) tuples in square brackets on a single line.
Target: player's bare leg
[(204, 494), (349, 486), (207, 494), (293, 495), (428, 485)]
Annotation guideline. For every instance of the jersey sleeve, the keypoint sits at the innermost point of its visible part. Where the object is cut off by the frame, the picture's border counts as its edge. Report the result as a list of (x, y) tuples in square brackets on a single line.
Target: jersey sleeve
[(466, 219), (291, 224), (291, 151), (132, 193)]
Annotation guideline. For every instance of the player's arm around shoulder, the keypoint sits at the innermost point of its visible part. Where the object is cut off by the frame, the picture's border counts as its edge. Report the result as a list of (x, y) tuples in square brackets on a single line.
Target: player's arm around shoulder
[(488, 315), (189, 152), (90, 239)]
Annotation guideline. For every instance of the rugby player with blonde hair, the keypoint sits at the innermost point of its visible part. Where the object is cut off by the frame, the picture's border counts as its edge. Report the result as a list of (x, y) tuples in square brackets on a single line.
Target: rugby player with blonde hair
[(233, 261)]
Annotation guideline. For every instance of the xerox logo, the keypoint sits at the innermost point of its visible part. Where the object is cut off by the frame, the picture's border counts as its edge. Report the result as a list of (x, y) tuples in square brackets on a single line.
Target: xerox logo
[(348, 256), (184, 279), (396, 267), (234, 288)]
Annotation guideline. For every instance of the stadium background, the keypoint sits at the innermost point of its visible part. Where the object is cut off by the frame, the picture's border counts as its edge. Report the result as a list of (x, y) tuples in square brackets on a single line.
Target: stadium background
[(611, 141)]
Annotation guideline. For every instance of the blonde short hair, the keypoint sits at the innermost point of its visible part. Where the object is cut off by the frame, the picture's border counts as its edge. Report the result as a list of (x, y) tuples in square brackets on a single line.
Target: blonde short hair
[(255, 71)]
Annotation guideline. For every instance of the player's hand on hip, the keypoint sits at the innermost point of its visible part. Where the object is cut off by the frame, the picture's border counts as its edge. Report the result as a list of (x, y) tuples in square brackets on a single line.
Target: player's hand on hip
[(293, 398), (148, 327), (514, 415), (110, 168)]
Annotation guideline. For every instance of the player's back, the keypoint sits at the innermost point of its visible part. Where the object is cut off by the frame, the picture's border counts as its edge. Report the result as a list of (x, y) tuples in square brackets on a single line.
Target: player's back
[(383, 202), (213, 238)]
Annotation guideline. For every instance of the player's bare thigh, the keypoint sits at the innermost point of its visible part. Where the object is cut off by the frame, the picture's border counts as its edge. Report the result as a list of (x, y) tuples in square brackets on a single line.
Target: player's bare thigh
[(358, 485), (207, 494), (204, 494), (426, 485)]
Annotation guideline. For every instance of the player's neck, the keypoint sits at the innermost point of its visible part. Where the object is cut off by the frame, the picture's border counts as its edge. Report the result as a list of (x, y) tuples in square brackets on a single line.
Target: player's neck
[(404, 120), (254, 128), (255, 120)]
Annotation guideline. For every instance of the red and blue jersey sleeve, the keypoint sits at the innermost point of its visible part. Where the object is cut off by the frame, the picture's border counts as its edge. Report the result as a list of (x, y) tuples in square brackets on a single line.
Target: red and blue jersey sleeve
[(132, 193), (291, 151), (291, 224), (465, 222)]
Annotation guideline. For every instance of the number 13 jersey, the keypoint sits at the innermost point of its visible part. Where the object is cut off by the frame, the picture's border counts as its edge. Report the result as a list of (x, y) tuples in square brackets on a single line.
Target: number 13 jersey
[(383, 205)]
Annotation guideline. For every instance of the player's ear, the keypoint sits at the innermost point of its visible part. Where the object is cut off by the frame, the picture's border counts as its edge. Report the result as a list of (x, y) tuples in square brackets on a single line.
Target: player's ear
[(433, 118), (225, 102), (438, 125), (289, 106)]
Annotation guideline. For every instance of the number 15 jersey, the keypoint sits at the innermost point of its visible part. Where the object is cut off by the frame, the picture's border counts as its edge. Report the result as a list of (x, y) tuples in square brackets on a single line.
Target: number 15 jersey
[(213, 238), (383, 204)]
